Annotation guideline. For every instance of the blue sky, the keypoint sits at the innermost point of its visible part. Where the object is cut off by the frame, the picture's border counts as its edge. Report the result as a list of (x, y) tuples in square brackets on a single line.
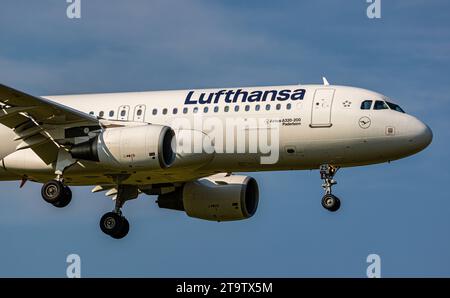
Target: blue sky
[(399, 210)]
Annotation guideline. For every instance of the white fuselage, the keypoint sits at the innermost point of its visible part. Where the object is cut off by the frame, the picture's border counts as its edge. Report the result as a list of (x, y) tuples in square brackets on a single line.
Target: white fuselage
[(317, 125)]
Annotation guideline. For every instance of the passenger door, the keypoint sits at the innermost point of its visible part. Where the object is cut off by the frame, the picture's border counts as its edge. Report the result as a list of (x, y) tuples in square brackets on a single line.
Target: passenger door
[(321, 108)]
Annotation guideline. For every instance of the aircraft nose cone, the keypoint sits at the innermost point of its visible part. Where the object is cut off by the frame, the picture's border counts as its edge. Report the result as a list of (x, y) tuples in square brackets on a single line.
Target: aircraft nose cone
[(422, 134), (426, 136)]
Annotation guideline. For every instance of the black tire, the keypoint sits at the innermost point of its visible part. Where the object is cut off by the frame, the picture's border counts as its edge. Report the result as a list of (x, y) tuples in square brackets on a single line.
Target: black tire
[(65, 200), (53, 191), (331, 202), (113, 225), (123, 231)]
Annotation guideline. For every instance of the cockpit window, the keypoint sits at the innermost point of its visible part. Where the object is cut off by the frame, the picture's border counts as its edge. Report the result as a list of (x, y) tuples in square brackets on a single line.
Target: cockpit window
[(395, 107), (380, 105), (366, 105)]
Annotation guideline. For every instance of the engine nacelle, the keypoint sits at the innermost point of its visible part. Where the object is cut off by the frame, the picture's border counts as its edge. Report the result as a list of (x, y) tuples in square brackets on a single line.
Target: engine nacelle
[(137, 147), (217, 198)]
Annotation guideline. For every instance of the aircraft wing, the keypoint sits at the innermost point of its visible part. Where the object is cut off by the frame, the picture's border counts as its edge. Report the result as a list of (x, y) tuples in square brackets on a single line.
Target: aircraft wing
[(39, 124)]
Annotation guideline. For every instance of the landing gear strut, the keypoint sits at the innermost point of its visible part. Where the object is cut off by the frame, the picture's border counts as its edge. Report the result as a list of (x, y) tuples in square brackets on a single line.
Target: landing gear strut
[(329, 201), (114, 223), (56, 193)]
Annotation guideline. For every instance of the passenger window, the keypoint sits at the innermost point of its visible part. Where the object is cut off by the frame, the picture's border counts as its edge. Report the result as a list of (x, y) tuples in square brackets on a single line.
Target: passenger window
[(257, 108), (101, 114), (216, 109), (155, 111), (111, 113), (278, 106), (380, 105), (247, 108), (288, 106), (174, 111), (226, 109), (366, 105), (164, 111), (91, 113), (195, 110), (205, 110), (123, 113), (236, 108), (267, 107), (139, 112), (185, 110)]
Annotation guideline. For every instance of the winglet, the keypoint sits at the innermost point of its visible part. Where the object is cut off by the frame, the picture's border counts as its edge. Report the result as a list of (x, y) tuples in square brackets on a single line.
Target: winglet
[(325, 81)]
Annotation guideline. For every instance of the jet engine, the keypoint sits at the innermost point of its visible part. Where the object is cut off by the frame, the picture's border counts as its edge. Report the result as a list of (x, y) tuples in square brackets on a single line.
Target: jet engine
[(137, 147), (216, 198)]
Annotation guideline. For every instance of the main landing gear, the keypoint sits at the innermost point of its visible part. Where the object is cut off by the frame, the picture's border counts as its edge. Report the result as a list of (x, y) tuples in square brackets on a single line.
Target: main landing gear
[(59, 195), (114, 223), (56, 193), (329, 201)]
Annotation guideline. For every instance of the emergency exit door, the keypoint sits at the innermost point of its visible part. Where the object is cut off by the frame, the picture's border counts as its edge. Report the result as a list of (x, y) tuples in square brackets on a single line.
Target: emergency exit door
[(321, 108), (139, 113), (123, 113)]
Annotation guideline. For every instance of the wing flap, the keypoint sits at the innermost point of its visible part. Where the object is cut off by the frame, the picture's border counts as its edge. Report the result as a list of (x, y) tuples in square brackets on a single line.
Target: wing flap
[(27, 133), (32, 141)]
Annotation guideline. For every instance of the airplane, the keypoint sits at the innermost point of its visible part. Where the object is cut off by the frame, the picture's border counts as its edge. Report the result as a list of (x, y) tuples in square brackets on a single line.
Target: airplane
[(131, 143)]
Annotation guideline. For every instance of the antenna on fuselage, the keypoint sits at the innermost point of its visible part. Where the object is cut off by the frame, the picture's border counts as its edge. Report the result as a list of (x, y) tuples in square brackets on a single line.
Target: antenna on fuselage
[(325, 81)]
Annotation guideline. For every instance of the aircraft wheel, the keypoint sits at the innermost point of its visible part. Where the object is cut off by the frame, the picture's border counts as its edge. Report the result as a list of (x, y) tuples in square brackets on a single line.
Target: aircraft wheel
[(123, 231), (65, 199), (331, 202), (53, 191), (114, 225)]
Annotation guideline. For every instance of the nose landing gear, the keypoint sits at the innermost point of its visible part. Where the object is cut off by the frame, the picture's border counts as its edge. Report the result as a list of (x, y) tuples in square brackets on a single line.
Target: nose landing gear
[(329, 201)]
